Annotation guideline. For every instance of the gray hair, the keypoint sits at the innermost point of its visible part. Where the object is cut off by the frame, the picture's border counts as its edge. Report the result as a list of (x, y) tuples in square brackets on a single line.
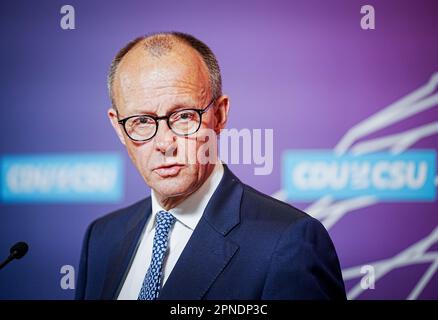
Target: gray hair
[(160, 43)]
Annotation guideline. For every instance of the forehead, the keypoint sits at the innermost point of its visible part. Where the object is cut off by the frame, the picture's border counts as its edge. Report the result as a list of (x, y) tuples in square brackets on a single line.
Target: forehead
[(145, 83)]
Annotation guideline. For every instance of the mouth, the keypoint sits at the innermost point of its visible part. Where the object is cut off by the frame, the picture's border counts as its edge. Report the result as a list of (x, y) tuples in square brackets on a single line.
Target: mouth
[(168, 170)]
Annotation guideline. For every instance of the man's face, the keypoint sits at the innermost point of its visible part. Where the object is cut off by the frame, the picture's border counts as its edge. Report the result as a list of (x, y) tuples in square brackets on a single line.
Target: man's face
[(156, 86)]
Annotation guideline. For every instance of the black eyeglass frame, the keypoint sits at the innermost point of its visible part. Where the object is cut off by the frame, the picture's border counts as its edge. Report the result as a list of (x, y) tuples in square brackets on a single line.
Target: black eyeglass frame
[(167, 118)]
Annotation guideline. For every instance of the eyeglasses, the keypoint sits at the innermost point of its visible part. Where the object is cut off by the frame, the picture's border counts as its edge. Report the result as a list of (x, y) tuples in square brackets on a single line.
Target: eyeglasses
[(182, 122)]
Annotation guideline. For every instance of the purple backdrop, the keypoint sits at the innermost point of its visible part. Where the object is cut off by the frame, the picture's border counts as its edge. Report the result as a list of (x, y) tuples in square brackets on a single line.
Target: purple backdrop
[(304, 68)]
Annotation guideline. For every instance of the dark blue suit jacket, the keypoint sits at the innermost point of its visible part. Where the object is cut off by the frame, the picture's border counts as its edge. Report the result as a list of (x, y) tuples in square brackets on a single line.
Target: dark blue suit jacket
[(246, 246)]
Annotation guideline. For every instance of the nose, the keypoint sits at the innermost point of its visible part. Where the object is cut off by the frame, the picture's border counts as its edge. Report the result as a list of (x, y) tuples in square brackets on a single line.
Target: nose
[(165, 140)]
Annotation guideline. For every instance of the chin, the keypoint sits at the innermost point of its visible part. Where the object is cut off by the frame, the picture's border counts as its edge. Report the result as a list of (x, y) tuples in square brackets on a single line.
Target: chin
[(171, 187)]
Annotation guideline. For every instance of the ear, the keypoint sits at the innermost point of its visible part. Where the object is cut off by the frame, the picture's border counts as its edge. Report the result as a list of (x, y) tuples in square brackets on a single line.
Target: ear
[(221, 113), (112, 115)]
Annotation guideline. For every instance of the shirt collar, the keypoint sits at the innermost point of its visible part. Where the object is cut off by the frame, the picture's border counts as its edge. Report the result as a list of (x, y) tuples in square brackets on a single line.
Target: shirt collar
[(190, 211)]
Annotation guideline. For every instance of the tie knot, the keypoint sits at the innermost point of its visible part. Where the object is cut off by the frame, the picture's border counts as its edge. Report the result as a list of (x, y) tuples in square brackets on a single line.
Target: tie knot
[(164, 219)]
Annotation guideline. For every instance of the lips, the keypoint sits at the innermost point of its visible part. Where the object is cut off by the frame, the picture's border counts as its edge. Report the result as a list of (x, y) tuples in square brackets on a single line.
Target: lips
[(170, 170)]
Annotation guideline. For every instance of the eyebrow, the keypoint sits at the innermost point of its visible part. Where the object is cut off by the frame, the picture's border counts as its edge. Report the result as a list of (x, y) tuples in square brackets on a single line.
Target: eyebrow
[(175, 107)]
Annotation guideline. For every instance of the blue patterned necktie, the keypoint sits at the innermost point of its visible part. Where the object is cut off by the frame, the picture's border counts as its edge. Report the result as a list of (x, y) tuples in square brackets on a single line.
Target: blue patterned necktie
[(152, 280)]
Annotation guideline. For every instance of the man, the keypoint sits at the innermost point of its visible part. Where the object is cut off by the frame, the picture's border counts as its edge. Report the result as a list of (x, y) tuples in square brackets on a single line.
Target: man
[(202, 234)]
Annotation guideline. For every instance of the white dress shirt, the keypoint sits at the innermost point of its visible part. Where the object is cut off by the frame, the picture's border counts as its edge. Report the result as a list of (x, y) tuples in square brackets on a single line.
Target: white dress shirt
[(187, 214)]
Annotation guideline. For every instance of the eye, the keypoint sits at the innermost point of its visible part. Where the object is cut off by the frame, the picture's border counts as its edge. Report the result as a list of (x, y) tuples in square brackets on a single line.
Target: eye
[(183, 116), (144, 120)]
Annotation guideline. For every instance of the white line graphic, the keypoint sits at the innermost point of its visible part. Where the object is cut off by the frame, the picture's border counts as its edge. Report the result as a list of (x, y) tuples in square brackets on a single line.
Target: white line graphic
[(329, 212), (416, 253)]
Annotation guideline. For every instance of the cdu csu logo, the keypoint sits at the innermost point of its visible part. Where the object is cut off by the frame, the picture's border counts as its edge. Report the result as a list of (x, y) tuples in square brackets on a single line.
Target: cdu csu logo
[(95, 177), (408, 176)]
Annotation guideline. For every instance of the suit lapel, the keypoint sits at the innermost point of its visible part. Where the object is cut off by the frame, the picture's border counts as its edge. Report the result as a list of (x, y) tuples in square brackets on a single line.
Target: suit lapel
[(203, 259), (122, 254), (208, 251)]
